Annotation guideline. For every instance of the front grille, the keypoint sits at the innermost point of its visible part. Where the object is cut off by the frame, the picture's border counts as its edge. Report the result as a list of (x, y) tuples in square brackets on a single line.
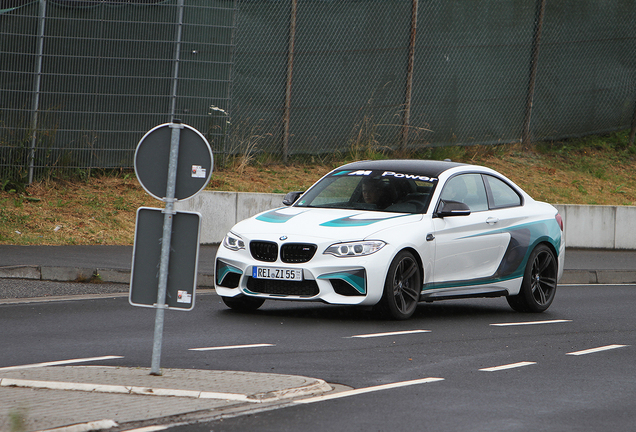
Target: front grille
[(264, 250), (297, 252), (305, 288)]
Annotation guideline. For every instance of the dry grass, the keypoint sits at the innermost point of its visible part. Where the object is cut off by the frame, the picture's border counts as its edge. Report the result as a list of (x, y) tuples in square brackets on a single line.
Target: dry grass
[(102, 210), (98, 211)]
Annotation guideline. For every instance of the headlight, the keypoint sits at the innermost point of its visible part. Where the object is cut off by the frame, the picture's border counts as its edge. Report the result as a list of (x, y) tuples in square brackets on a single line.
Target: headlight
[(233, 242), (350, 249)]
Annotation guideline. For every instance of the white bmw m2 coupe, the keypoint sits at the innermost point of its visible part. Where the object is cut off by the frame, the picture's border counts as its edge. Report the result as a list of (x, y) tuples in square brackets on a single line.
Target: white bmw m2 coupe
[(393, 233)]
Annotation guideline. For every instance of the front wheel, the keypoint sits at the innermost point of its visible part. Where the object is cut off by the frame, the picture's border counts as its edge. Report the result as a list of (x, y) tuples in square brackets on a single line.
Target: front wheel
[(539, 282), (243, 303), (402, 287)]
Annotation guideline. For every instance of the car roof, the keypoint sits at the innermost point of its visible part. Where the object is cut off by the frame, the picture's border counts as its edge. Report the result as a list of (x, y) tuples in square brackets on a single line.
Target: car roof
[(429, 168)]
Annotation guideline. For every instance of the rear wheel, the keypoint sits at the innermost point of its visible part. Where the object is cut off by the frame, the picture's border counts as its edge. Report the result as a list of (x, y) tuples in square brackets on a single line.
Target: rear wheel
[(243, 303), (539, 282), (402, 287)]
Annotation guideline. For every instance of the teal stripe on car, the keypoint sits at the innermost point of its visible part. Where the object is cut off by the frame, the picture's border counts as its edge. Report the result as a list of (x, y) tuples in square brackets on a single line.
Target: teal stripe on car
[(275, 217), (349, 221), (523, 238)]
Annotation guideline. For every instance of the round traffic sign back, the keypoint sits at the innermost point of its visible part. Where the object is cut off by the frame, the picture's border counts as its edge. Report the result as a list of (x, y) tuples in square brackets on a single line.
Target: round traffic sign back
[(194, 165)]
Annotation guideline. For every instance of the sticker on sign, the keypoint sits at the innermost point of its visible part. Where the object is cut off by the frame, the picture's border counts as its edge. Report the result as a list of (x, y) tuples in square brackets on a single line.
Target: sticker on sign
[(198, 171), (184, 297)]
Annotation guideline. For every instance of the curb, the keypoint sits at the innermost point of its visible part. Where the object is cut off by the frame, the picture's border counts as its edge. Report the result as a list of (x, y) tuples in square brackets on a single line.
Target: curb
[(85, 427), (600, 277), (122, 276), (317, 386), (81, 274)]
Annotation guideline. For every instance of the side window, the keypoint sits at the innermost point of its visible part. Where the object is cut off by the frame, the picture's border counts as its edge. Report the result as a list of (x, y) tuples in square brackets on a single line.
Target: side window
[(502, 194), (469, 189)]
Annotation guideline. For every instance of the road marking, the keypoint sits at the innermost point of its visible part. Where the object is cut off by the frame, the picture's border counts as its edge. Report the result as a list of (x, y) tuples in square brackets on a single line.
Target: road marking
[(397, 333), (367, 390), (508, 366), (531, 323), (231, 347), (60, 362), (595, 350)]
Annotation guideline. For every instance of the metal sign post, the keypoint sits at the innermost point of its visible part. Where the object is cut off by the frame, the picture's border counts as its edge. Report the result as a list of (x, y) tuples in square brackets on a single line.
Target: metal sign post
[(188, 158), (165, 248)]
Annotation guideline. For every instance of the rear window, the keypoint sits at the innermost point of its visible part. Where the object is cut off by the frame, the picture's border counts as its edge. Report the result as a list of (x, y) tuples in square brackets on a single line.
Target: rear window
[(502, 194)]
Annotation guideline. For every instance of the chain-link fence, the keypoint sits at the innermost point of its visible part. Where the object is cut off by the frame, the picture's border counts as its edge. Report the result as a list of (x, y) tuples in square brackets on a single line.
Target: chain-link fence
[(84, 79), (323, 76)]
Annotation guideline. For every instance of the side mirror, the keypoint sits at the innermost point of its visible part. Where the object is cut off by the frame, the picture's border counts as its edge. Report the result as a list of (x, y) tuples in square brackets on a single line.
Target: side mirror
[(291, 197), (452, 208)]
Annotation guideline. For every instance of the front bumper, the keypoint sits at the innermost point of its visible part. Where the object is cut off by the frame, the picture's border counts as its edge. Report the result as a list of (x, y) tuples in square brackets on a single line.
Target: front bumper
[(326, 278)]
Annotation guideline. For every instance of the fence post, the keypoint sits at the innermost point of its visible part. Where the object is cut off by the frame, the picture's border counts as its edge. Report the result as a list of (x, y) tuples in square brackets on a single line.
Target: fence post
[(406, 120), (177, 54), (633, 131), (228, 107), (288, 84), (36, 87), (525, 134)]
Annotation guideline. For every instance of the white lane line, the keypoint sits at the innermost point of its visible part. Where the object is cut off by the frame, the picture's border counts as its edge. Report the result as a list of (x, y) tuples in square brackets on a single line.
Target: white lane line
[(58, 363), (508, 366), (227, 347), (531, 323), (397, 333), (367, 390), (595, 350)]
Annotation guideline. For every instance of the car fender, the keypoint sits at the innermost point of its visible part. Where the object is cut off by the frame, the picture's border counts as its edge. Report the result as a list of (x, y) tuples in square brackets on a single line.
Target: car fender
[(412, 236)]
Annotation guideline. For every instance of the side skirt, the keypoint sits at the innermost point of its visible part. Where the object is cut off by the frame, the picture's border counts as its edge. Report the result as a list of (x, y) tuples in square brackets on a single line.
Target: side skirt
[(496, 289), (431, 297)]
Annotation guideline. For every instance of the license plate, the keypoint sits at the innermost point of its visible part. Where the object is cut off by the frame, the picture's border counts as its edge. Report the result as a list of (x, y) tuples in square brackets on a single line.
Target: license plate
[(277, 273)]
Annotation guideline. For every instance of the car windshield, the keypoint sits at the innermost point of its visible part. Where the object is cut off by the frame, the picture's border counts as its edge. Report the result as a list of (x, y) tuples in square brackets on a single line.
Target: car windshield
[(375, 190)]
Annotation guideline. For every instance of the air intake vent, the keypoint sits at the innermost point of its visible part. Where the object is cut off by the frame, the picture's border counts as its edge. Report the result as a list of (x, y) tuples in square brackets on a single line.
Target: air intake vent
[(305, 288)]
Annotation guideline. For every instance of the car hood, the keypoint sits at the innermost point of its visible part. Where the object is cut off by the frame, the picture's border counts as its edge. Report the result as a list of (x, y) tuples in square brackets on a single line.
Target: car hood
[(297, 223)]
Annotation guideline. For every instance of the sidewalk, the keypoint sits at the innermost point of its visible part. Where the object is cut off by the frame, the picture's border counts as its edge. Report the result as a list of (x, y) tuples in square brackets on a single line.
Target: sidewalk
[(83, 398)]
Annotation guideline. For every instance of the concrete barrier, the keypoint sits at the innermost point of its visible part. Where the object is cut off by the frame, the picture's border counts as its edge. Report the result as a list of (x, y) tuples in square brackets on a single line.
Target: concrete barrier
[(221, 210), (586, 226), (599, 227)]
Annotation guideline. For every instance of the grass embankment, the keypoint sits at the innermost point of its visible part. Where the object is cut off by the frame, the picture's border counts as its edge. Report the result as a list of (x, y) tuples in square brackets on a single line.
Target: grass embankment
[(101, 209)]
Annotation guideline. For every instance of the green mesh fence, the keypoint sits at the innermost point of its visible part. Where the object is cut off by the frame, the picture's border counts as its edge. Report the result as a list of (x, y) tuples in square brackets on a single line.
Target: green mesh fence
[(308, 76), (84, 80), (408, 73)]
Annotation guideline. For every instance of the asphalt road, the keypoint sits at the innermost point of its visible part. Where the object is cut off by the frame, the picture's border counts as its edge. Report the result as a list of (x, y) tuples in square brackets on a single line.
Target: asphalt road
[(547, 383)]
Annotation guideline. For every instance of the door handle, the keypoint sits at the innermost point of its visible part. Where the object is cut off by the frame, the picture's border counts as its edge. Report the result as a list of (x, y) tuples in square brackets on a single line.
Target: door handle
[(492, 220), (430, 237)]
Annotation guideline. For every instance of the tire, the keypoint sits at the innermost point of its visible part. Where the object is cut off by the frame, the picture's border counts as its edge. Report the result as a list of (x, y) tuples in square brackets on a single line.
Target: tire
[(402, 287), (539, 282), (243, 303)]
